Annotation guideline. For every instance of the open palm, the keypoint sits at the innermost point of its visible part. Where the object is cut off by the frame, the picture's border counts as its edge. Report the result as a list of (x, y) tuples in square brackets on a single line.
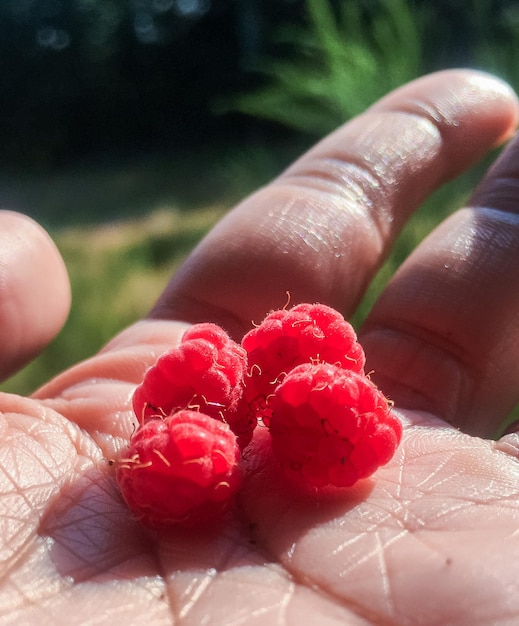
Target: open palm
[(433, 537)]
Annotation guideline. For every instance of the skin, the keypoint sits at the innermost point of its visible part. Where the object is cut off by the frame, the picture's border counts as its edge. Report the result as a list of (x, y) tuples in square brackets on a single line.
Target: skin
[(432, 538)]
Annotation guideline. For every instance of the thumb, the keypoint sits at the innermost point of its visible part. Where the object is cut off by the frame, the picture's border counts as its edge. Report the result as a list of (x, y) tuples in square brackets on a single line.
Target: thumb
[(34, 291)]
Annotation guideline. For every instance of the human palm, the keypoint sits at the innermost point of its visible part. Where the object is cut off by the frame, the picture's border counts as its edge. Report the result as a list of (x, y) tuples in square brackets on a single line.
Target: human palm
[(431, 538)]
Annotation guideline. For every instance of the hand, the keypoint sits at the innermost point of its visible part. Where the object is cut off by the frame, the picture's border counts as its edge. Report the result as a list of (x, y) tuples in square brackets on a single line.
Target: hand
[(433, 537)]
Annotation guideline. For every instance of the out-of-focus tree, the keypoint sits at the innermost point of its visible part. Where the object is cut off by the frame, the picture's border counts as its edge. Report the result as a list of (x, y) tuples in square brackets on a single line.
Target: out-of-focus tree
[(344, 58)]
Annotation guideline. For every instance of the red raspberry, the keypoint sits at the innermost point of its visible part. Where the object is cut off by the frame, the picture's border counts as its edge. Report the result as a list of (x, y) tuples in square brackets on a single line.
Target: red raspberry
[(287, 338), (331, 426), (205, 372), (180, 470)]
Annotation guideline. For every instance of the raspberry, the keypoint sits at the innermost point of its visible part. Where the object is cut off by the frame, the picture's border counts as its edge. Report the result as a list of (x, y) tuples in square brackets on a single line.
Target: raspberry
[(205, 372), (301, 371), (180, 470), (287, 338), (331, 426)]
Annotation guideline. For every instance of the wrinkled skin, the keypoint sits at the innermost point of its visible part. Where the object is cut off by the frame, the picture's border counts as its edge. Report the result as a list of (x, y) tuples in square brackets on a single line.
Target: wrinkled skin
[(433, 537)]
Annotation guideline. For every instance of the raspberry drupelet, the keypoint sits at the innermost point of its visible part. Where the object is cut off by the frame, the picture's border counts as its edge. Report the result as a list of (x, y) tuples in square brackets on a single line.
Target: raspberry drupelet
[(180, 470), (331, 426)]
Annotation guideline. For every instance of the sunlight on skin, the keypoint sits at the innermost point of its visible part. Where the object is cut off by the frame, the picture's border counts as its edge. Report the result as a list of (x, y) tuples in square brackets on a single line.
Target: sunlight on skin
[(430, 538)]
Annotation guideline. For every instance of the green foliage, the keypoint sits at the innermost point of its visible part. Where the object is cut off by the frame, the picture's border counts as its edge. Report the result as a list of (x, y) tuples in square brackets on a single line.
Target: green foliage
[(344, 61)]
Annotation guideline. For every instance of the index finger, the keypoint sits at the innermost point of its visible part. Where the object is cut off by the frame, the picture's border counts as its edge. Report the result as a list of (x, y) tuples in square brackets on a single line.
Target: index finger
[(322, 229)]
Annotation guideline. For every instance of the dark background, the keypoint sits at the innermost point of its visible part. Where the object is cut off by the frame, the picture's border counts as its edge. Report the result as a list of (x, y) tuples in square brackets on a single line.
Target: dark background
[(85, 77), (93, 83)]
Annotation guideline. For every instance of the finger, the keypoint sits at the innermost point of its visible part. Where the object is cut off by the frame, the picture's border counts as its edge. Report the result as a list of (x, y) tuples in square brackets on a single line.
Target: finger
[(34, 291), (444, 336), (322, 229)]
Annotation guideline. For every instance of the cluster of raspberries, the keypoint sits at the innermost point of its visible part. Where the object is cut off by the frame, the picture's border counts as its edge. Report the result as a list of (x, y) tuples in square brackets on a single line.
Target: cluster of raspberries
[(300, 373)]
